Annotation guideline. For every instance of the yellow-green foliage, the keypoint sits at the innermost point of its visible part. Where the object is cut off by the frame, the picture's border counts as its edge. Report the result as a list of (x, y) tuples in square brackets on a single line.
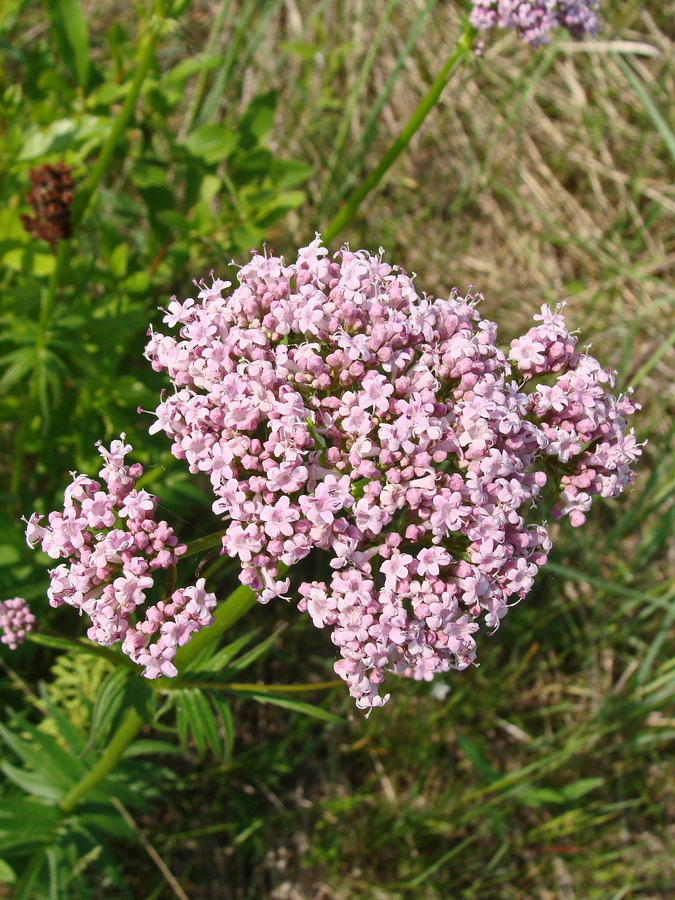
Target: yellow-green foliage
[(75, 683)]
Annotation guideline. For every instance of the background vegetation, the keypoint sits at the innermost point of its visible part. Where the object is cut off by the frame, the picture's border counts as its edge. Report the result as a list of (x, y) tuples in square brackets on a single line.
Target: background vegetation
[(539, 177)]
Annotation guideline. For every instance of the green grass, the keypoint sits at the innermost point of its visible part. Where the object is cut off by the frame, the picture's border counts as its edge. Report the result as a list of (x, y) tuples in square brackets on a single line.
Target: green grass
[(547, 771)]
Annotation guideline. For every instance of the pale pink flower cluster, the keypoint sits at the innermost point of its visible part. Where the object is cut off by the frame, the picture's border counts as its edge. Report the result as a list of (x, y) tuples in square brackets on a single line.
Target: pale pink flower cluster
[(114, 546), (333, 407), (16, 620), (535, 19)]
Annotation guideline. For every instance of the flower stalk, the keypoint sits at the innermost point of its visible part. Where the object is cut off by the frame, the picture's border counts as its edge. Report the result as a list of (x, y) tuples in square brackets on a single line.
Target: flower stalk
[(154, 30), (462, 50), (131, 725)]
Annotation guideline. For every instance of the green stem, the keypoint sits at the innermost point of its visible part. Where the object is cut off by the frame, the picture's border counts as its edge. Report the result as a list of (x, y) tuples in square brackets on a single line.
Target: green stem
[(145, 60), (205, 543), (203, 76), (232, 609), (461, 51), (62, 251), (112, 754), (227, 613)]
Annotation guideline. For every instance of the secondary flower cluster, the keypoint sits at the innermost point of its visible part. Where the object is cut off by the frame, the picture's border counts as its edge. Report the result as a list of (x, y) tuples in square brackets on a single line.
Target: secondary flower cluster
[(16, 620), (114, 546), (535, 19), (333, 407)]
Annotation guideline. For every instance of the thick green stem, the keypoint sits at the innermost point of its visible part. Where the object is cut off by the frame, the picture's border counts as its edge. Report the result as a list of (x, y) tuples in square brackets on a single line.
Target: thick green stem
[(226, 614), (112, 754), (462, 50)]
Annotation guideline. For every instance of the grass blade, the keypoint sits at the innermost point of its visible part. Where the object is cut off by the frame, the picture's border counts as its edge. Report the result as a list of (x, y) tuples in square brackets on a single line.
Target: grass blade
[(650, 107)]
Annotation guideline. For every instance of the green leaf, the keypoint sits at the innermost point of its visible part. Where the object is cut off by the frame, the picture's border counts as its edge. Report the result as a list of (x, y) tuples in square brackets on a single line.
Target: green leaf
[(174, 221), (9, 555), (44, 755), (259, 650), (281, 204), (474, 753), (85, 133), (19, 363), (7, 874), (119, 261), (73, 738), (186, 68), (69, 29), (146, 174), (208, 661), (212, 143), (136, 283), (579, 788), (34, 783), (288, 173), (81, 644), (252, 165), (109, 704), (25, 823), (55, 138), (222, 706), (258, 118), (651, 109), (28, 260), (307, 709), (151, 748), (198, 720), (105, 820)]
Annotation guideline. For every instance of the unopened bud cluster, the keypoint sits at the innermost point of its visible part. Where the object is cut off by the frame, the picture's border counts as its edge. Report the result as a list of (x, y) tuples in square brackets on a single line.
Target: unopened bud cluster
[(16, 620), (335, 408)]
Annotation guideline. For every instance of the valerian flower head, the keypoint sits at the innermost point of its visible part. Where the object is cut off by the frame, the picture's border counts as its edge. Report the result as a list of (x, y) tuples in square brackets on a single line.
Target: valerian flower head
[(534, 20), (113, 545), (333, 407)]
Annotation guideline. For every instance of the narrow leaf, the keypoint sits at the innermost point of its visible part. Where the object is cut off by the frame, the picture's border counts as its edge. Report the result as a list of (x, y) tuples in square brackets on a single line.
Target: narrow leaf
[(650, 107), (69, 29), (72, 737), (34, 783), (108, 706), (307, 709)]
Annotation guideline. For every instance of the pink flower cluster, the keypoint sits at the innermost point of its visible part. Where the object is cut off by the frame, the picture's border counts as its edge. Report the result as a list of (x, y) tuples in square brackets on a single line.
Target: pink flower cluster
[(16, 620), (535, 19), (114, 546), (332, 407)]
